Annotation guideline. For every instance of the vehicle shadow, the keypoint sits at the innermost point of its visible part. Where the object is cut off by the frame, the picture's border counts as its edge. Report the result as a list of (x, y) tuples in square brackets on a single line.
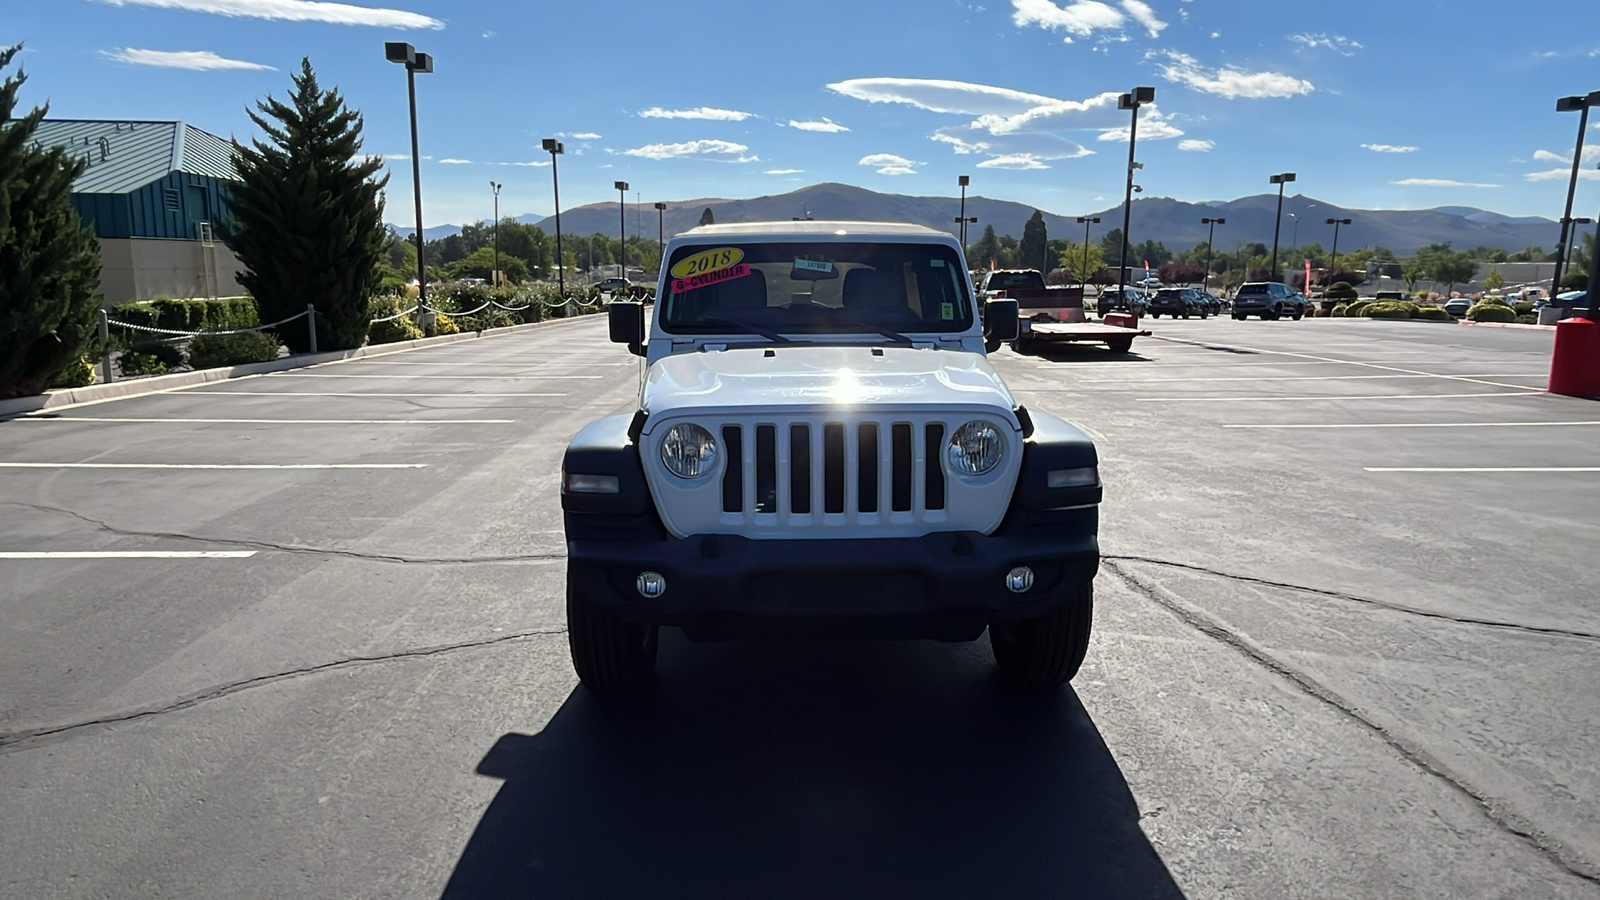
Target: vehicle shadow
[(812, 770), (1084, 352)]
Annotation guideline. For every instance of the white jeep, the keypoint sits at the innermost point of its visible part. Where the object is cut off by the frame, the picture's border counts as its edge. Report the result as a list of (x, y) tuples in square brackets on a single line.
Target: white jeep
[(822, 449)]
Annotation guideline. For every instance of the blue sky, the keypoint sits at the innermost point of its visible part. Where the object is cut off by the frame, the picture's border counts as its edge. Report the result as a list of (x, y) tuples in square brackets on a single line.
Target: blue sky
[(1374, 105)]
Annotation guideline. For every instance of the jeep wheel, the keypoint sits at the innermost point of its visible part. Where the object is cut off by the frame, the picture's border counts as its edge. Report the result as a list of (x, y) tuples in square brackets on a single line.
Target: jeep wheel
[(612, 657), (1044, 653)]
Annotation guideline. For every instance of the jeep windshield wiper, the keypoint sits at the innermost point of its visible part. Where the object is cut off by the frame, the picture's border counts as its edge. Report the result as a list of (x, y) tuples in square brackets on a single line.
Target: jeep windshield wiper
[(737, 323), (895, 336)]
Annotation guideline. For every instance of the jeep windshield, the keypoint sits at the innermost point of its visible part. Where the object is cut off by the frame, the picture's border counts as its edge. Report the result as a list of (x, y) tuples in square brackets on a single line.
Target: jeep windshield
[(816, 288)]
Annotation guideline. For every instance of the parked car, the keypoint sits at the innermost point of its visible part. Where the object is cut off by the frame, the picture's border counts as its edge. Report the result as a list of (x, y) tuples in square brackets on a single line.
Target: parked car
[(1131, 300), (1176, 302), (1458, 307), (614, 285), (1269, 300)]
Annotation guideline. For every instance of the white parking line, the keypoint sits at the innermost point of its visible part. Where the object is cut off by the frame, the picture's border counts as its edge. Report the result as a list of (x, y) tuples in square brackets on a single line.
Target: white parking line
[(81, 465), (1188, 379), (1485, 469), (1428, 425), (1370, 365), (361, 394), (310, 374), (53, 418), (1334, 397), (129, 554)]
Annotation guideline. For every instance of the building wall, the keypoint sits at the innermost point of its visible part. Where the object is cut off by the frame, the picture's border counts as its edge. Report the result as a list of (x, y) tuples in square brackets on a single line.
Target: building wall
[(146, 268), (169, 207)]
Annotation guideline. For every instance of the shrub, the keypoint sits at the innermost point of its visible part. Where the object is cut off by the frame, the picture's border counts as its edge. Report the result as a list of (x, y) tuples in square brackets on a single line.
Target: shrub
[(1487, 311), (133, 363), (78, 374), (209, 351), (1497, 301), (1433, 314), (401, 329), (189, 315), (1340, 309), (1527, 320), (1340, 290), (1388, 309), (1523, 308), (444, 324), (1356, 306)]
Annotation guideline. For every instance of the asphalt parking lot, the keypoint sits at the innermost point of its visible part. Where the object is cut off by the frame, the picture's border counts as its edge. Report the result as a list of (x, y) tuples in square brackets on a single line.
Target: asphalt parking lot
[(301, 634)]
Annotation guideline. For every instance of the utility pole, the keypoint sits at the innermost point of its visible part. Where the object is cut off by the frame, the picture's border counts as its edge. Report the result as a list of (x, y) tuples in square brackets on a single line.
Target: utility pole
[(1130, 101), (1280, 181)]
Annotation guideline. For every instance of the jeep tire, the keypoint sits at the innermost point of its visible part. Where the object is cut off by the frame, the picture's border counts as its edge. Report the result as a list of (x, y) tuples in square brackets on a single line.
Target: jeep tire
[(613, 657), (1044, 653)]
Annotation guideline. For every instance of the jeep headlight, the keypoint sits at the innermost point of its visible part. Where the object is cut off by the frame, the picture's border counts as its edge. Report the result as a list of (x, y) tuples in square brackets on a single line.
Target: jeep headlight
[(689, 451), (975, 448)]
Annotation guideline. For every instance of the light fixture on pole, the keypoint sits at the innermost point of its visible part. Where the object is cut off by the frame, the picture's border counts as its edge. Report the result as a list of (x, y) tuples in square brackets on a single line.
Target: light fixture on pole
[(963, 181), (622, 225), (496, 276), (1581, 106), (1130, 101), (661, 232), (1083, 281), (1280, 181), (407, 55), (1333, 257), (1210, 237), (556, 148)]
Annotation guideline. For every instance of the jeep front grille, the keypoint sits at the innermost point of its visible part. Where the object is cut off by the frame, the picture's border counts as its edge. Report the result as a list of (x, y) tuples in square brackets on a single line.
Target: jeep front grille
[(840, 468)]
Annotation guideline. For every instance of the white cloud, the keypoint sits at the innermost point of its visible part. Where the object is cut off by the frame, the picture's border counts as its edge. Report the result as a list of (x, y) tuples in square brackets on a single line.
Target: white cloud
[(1439, 182), (937, 95), (1151, 128), (783, 171), (1144, 15), (1563, 175), (1390, 148), (1017, 161), (827, 126), (1591, 153), (973, 138), (889, 164), (1231, 82), (386, 157), (296, 11), (720, 151), (199, 60), (586, 136), (1081, 17), (451, 161), (1335, 42), (703, 112), (535, 163), (1196, 145)]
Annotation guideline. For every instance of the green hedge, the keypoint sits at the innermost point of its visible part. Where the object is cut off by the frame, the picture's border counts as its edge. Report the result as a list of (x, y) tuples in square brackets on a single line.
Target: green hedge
[(1529, 319), (1523, 308), (210, 351), (1433, 314), (1389, 309), (188, 315), (1490, 311), (401, 329)]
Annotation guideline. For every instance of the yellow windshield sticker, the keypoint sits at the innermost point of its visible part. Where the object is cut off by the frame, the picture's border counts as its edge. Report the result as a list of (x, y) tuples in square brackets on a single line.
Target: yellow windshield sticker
[(707, 261)]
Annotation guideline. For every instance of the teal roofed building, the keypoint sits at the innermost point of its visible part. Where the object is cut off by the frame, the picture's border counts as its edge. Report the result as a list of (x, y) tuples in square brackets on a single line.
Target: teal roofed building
[(154, 193)]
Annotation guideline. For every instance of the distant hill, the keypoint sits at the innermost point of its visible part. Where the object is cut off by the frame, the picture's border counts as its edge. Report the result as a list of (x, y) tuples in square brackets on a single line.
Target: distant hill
[(1175, 223)]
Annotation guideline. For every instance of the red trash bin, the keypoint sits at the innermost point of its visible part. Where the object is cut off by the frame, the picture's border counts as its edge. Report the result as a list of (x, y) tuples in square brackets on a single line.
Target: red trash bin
[(1575, 361)]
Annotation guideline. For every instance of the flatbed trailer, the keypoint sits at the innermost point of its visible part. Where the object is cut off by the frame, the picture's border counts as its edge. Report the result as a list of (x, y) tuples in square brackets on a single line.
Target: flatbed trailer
[(1116, 332)]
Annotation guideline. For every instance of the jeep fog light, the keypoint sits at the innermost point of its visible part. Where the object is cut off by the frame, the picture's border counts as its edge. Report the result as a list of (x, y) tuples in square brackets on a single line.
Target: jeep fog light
[(1088, 476), (1018, 580), (653, 584), (573, 483), (975, 448), (688, 451)]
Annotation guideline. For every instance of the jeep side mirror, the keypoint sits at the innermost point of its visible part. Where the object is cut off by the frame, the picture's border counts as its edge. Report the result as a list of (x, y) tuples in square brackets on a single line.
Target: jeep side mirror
[(1000, 320), (627, 324)]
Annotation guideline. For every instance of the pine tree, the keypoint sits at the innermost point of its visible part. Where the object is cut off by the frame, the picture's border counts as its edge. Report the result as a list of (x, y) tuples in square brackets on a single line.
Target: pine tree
[(308, 216), (1031, 251), (706, 218), (49, 260)]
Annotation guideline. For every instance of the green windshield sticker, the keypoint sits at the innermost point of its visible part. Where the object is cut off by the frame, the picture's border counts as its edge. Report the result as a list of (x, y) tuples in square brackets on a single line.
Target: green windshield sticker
[(947, 310)]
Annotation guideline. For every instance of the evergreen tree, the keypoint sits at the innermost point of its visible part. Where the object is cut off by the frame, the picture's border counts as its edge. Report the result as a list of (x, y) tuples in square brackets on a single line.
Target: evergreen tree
[(49, 260), (706, 218), (308, 216), (985, 251), (1031, 250)]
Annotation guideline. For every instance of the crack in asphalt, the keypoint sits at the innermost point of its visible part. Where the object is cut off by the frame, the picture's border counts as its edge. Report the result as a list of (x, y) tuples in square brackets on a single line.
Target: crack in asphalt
[(1383, 604), (16, 741), (1550, 848), (291, 548)]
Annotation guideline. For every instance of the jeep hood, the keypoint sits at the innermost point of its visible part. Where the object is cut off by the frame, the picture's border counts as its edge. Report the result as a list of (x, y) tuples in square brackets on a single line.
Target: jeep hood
[(845, 377)]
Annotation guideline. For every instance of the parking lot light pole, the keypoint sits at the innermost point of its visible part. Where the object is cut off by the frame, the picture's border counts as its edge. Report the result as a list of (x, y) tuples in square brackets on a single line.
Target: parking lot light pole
[(622, 225), (407, 55), (963, 181), (1277, 223), (1083, 283), (556, 148), (1211, 236), (1581, 106), (1130, 101), (661, 230), (1333, 257), (496, 277)]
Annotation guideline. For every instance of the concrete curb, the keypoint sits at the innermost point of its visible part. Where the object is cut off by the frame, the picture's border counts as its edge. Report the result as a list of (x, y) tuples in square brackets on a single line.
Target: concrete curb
[(1505, 325), (135, 387)]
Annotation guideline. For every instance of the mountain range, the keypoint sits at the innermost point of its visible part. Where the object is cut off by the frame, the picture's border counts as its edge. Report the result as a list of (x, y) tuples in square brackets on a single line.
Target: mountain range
[(1175, 223)]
